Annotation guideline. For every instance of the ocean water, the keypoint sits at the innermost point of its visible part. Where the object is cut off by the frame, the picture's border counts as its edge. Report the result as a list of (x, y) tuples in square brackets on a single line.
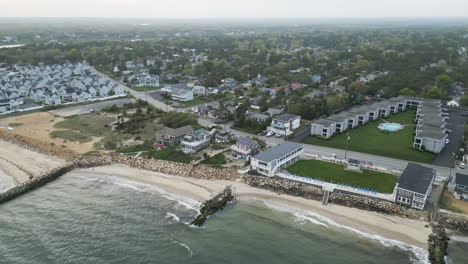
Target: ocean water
[(109, 220)]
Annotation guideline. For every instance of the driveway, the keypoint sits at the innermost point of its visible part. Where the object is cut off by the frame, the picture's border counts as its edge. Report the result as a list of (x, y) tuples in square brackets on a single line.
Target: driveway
[(456, 123)]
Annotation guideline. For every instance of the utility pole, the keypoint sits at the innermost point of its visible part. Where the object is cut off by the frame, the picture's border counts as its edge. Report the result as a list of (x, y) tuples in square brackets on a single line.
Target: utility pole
[(451, 166), (346, 146)]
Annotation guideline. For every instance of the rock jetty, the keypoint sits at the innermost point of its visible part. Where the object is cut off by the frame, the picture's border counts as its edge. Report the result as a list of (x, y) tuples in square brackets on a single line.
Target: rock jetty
[(213, 205), (437, 245)]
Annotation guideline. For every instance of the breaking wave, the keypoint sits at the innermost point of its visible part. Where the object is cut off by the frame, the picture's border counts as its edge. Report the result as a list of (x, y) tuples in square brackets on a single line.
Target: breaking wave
[(420, 255)]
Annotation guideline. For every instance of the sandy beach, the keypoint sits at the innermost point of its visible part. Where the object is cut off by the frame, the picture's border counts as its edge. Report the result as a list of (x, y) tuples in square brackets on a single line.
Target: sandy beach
[(18, 163), (409, 231)]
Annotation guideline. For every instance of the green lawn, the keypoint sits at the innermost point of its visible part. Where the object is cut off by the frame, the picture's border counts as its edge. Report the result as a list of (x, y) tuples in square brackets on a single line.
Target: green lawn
[(369, 139), (194, 102), (88, 125), (217, 159), (335, 173), (170, 154)]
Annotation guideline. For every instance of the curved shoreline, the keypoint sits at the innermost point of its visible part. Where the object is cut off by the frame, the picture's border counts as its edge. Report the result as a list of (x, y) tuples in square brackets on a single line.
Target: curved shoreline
[(409, 231)]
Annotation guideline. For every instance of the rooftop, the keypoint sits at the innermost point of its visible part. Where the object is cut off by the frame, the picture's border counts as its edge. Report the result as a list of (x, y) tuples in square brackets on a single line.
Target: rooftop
[(416, 178), (286, 117), (461, 179), (277, 151)]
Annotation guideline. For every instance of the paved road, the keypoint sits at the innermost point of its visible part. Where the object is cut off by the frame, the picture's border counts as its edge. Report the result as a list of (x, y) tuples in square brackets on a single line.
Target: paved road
[(379, 161), (142, 95), (84, 109)]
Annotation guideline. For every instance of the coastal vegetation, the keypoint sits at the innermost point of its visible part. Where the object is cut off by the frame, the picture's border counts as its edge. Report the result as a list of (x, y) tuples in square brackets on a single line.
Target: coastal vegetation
[(336, 173), (218, 159), (369, 139), (170, 154)]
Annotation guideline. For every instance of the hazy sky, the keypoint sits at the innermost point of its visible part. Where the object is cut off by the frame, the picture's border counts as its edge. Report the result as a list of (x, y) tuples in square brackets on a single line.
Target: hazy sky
[(234, 8)]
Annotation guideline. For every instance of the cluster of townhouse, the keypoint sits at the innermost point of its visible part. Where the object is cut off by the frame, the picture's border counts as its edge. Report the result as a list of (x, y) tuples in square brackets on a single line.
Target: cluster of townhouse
[(53, 84), (142, 78), (430, 132), (430, 129)]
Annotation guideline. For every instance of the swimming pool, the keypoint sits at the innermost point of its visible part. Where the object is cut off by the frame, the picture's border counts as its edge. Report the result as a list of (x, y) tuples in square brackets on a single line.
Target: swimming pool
[(390, 127)]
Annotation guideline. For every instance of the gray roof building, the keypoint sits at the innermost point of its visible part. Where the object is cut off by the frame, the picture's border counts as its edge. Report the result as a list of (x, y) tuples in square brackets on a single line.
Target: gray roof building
[(416, 178), (277, 151)]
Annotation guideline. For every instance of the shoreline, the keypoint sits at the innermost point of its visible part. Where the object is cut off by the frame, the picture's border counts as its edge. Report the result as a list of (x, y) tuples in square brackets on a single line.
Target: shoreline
[(18, 163), (408, 231)]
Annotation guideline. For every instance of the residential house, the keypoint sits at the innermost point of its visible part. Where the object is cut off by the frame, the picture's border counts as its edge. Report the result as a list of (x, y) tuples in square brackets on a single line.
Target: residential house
[(182, 95), (257, 117), (198, 140), (245, 148), (52, 99), (285, 124), (169, 137), (273, 111), (200, 90), (224, 137), (9, 105), (272, 160), (460, 186), (316, 78), (414, 186)]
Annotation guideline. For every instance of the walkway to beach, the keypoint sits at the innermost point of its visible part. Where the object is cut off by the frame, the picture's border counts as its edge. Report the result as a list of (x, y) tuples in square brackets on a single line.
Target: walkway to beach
[(346, 188)]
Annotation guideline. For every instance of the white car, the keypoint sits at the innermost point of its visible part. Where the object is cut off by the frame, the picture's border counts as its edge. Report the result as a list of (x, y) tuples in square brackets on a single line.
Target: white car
[(278, 135), (447, 141), (462, 165), (270, 133)]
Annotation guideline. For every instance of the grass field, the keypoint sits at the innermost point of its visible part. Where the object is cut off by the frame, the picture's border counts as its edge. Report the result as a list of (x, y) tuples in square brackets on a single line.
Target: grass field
[(369, 139), (194, 102), (170, 154), (335, 173), (70, 135)]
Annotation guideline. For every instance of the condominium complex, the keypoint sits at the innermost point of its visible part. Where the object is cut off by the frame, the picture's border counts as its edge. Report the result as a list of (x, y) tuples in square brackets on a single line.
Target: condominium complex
[(430, 131)]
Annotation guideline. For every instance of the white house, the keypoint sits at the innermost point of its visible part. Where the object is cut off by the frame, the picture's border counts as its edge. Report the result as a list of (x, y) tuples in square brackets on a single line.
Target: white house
[(453, 103), (182, 95), (285, 124), (270, 161)]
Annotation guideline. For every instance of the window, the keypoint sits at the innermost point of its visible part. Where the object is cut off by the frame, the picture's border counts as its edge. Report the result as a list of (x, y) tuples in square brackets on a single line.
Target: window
[(403, 199)]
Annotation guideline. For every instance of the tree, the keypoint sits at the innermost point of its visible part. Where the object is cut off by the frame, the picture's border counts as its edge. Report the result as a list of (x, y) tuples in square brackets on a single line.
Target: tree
[(464, 100), (357, 90), (407, 91), (434, 93), (444, 81)]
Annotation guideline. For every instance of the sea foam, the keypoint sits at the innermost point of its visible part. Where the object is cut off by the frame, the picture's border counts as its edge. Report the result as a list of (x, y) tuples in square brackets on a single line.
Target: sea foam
[(143, 187), (420, 255)]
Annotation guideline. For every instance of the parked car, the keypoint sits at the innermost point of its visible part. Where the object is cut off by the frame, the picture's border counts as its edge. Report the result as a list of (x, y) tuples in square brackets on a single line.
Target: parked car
[(278, 135), (462, 165), (270, 133), (447, 141)]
